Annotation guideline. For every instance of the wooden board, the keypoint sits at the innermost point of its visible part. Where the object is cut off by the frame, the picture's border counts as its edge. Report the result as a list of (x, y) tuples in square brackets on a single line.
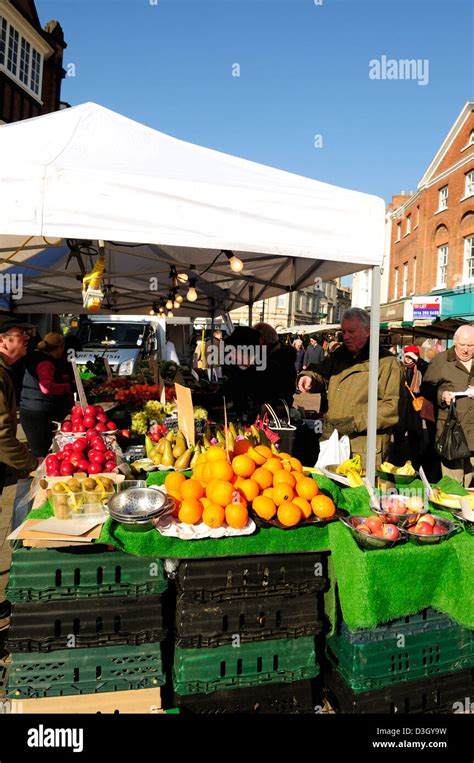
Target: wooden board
[(138, 701)]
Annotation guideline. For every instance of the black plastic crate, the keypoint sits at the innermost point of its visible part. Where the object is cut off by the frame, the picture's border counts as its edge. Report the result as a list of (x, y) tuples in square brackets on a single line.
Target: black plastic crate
[(435, 694), (301, 697), (46, 574), (259, 618), (85, 623), (427, 620), (238, 576)]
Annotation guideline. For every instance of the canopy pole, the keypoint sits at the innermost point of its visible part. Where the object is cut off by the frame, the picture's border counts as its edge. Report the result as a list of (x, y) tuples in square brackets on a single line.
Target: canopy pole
[(373, 375), (250, 304)]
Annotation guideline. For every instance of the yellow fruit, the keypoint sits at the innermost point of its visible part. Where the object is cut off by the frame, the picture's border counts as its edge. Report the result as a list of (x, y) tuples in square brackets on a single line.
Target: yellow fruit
[(268, 492), (297, 476), (264, 451), (264, 507), (249, 488), (296, 465), (221, 470), (222, 493), (256, 456)]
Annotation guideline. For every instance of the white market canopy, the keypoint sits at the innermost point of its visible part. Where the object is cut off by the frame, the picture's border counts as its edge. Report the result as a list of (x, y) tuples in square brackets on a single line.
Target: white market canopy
[(87, 174)]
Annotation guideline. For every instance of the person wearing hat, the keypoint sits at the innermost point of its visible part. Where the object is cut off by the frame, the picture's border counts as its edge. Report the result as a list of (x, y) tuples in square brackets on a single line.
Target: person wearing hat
[(46, 393), (411, 430)]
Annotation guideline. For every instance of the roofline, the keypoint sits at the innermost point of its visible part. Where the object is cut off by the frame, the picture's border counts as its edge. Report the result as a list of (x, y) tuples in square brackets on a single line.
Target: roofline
[(463, 115)]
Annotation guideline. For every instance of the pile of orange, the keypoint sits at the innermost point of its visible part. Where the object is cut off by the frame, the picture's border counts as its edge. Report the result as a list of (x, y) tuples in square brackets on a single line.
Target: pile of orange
[(220, 491)]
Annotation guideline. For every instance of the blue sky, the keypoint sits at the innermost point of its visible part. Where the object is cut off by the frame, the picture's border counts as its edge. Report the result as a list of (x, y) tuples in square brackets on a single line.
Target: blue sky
[(304, 71)]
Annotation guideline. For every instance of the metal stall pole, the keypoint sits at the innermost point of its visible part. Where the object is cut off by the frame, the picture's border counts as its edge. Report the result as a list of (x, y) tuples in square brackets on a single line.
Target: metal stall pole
[(251, 304), (373, 375)]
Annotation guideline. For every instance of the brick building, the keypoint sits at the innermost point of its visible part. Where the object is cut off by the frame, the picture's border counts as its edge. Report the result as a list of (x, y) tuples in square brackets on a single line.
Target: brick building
[(31, 62), (432, 232)]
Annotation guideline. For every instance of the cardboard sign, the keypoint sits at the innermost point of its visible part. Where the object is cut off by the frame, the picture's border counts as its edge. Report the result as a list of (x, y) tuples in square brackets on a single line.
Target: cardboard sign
[(79, 384), (108, 370), (226, 432), (154, 370), (161, 382), (184, 400)]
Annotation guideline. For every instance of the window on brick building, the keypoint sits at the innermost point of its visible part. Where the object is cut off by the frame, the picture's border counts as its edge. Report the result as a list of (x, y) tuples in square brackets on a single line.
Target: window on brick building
[(399, 231), (3, 40), (443, 198), (408, 230), (281, 301), (413, 290), (24, 61), (405, 279), (469, 190), (12, 57), (20, 58), (417, 215), (395, 286), (469, 258), (442, 266)]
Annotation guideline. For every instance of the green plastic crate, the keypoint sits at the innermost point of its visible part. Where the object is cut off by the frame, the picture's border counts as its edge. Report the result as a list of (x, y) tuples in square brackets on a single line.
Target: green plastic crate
[(372, 665), (47, 574), (202, 671), (84, 671)]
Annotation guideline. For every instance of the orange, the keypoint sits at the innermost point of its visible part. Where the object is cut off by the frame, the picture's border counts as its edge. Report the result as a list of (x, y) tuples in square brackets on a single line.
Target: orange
[(304, 505), (323, 506), (307, 488), (222, 493), (192, 489), (263, 477), (206, 473), (236, 515), (198, 471), (268, 492), (273, 465), (216, 453), (243, 466), (283, 477), (173, 481), (205, 501), (289, 514), (264, 507), (256, 456), (282, 493), (241, 447), (190, 511), (213, 515), (249, 488), (285, 456), (201, 459), (297, 476), (221, 470), (264, 451), (238, 482), (296, 465)]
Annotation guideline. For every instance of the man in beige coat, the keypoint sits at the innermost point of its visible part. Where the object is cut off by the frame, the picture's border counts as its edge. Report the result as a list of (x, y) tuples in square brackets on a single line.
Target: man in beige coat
[(345, 375), (449, 372)]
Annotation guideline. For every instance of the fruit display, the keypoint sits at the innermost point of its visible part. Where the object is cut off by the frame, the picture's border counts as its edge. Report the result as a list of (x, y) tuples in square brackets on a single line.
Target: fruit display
[(403, 511), (80, 496), (451, 501), (222, 492), (406, 470), (90, 418), (150, 418), (429, 529), (138, 394), (171, 451), (89, 454), (374, 532)]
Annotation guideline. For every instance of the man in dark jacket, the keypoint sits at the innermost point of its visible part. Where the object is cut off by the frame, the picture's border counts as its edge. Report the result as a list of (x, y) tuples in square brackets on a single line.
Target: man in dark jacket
[(314, 353), (449, 372), (276, 381)]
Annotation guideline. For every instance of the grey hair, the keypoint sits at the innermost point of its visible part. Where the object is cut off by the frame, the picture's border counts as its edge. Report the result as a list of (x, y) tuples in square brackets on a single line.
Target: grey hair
[(268, 333), (461, 328), (356, 313)]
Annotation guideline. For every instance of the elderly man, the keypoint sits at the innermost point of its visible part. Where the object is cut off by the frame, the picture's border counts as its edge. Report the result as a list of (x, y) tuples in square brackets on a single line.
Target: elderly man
[(449, 372), (345, 374)]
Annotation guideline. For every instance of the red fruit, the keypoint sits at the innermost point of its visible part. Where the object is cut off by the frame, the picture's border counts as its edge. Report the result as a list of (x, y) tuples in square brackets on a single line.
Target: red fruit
[(75, 458), (78, 428), (101, 428), (69, 447), (391, 532), (66, 426), (89, 422), (125, 433), (52, 472), (95, 468), (364, 529), (83, 466), (374, 523), (79, 445), (99, 410), (109, 466), (428, 519), (439, 530), (76, 410), (111, 426), (98, 444), (61, 454), (90, 410), (101, 418), (110, 455), (67, 468), (96, 456), (423, 528), (51, 462)]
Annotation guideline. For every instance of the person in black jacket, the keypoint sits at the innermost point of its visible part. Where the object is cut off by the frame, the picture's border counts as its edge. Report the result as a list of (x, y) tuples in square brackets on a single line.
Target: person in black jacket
[(240, 372), (300, 351), (45, 395), (277, 380), (314, 353)]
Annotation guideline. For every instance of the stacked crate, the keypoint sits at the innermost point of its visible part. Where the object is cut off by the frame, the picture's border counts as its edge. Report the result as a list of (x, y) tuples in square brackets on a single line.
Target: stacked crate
[(246, 633), (85, 622), (417, 664)]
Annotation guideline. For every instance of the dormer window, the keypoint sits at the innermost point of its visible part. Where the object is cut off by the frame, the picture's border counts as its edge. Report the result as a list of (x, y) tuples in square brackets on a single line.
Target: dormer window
[(19, 58)]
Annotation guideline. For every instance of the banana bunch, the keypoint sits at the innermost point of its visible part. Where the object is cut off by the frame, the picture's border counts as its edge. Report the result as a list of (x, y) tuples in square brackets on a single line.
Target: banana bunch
[(407, 469), (353, 464), (354, 479), (386, 466)]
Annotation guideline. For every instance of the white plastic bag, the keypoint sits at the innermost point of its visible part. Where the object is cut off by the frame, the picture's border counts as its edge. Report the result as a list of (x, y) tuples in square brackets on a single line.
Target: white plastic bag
[(333, 451)]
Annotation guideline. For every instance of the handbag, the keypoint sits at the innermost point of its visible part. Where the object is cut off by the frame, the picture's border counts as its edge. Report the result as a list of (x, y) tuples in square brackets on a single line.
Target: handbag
[(417, 402), (452, 444)]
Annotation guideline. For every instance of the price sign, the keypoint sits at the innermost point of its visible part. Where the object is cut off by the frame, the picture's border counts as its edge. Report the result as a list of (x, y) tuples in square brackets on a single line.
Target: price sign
[(79, 384)]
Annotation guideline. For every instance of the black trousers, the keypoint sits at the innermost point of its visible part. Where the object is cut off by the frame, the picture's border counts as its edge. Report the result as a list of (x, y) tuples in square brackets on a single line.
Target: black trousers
[(38, 427)]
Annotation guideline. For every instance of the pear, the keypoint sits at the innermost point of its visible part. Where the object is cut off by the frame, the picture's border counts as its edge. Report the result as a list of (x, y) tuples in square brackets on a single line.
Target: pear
[(157, 459), (161, 446), (196, 453), (179, 448), (170, 436), (183, 461), (167, 458)]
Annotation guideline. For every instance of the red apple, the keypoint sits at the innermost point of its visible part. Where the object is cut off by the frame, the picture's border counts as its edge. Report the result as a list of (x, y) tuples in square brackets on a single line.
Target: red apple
[(77, 428), (52, 472), (111, 426), (428, 518), (90, 410), (66, 426), (364, 529), (97, 456), (67, 468), (101, 418), (109, 466), (83, 465), (76, 410), (79, 445), (95, 468), (391, 532), (89, 422), (99, 409), (439, 530), (374, 523), (68, 447), (98, 444), (52, 462), (423, 528)]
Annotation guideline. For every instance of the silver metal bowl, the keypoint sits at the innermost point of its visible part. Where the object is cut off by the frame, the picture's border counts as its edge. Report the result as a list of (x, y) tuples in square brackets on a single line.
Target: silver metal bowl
[(468, 523), (139, 505), (432, 540), (365, 541)]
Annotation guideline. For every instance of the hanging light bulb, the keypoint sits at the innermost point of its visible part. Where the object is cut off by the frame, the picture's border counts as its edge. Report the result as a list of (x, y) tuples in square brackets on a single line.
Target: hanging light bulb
[(183, 277), (192, 293), (236, 265), (179, 298), (169, 304), (176, 304), (152, 312), (170, 314)]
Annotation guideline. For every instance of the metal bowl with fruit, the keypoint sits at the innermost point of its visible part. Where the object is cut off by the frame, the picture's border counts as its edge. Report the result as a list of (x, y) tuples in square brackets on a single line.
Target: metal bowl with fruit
[(401, 510), (467, 523), (431, 529), (372, 533)]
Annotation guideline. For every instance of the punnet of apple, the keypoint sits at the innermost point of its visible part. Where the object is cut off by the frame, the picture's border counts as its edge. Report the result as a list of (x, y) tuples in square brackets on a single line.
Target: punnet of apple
[(402, 510), (373, 533)]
